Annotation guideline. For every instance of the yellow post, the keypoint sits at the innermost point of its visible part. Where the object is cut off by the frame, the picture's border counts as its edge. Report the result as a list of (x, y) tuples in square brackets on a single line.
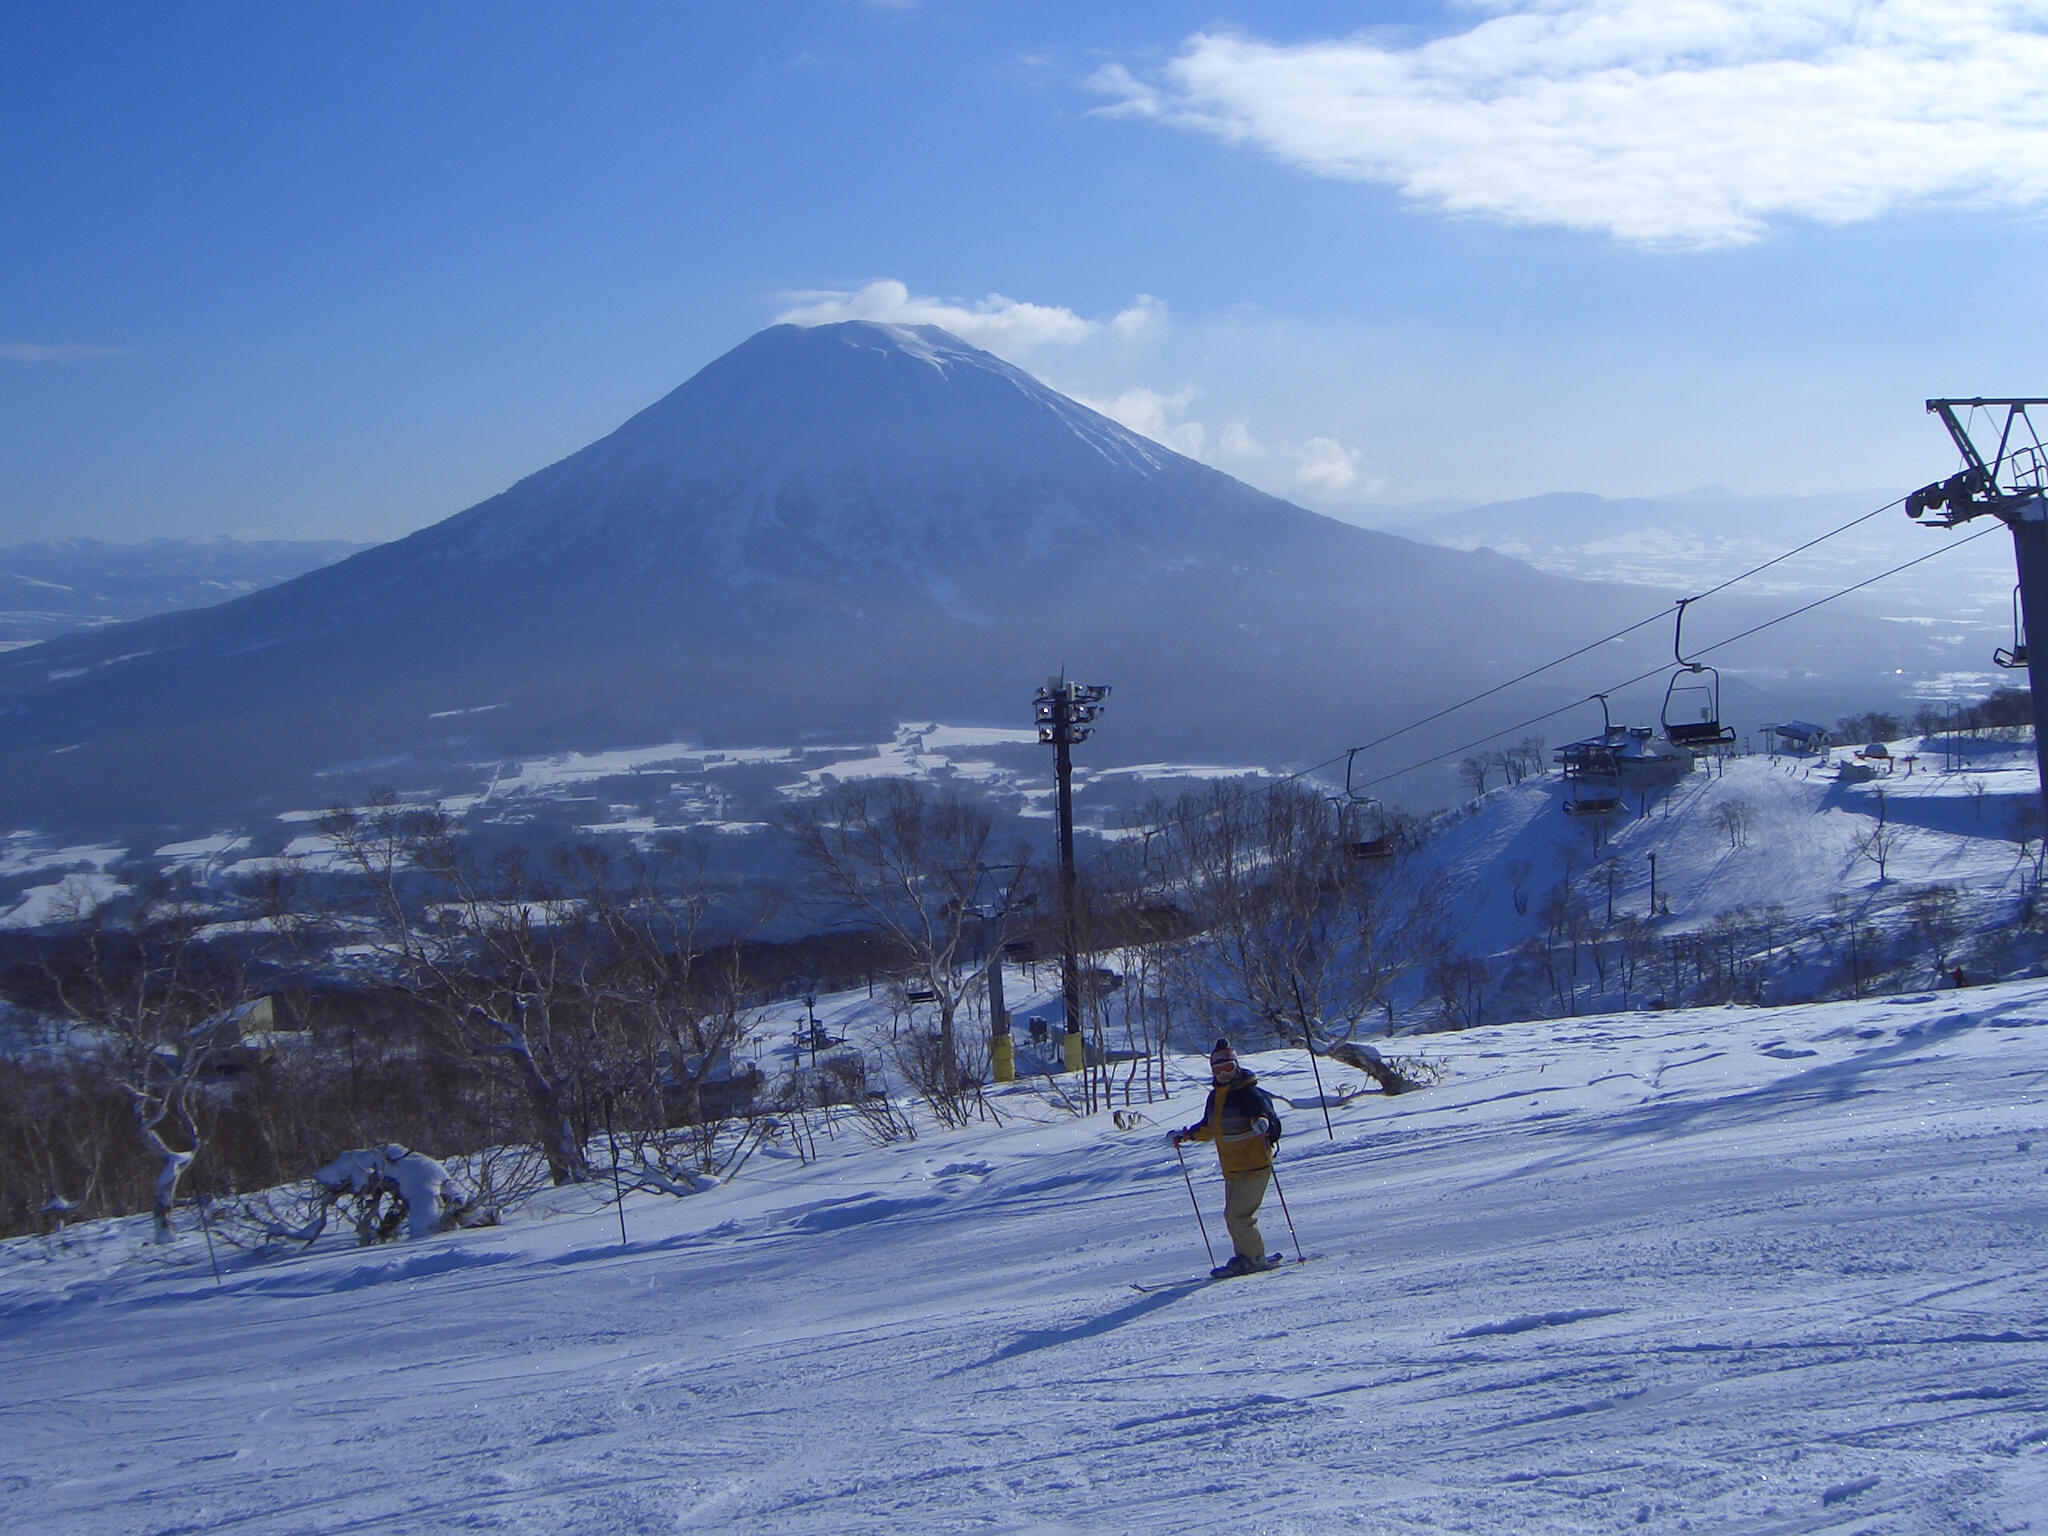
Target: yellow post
[(1073, 1047), (1002, 1052)]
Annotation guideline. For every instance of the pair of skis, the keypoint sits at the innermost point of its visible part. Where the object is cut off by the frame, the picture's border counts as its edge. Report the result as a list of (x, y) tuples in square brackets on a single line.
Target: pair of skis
[(1230, 1271), (1273, 1261)]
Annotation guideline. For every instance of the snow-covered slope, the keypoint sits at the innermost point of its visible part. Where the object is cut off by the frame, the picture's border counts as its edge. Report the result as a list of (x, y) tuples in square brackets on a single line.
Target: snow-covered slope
[(1779, 854), (1730, 1270)]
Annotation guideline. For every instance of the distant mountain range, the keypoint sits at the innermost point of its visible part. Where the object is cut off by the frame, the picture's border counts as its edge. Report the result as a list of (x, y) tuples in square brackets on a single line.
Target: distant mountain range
[(1696, 539), (823, 533), (55, 586)]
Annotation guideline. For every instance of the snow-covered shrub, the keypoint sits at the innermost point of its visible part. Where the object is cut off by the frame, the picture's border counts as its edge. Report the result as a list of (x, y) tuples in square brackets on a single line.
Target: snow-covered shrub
[(391, 1187), (1394, 1074)]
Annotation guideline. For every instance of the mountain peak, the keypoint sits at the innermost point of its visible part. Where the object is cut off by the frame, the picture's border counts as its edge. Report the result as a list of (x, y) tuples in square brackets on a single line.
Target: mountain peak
[(846, 450), (931, 344)]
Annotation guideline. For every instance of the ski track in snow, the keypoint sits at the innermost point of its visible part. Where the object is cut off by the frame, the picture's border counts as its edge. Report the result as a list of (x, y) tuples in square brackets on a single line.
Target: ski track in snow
[(1650, 1271)]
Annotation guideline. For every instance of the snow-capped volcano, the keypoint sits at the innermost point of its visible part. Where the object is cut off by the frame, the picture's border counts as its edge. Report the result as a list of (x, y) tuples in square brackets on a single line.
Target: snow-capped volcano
[(843, 453), (826, 529), (886, 462)]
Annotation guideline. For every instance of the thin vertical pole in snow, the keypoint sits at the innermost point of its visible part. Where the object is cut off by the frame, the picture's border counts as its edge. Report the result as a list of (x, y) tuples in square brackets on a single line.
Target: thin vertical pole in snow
[(1193, 1201), (207, 1227), (618, 1188), (1308, 1039)]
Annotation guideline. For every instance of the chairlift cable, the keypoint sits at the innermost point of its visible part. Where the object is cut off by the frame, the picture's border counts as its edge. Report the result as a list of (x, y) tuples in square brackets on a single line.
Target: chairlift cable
[(1659, 669), (1619, 634), (1655, 618)]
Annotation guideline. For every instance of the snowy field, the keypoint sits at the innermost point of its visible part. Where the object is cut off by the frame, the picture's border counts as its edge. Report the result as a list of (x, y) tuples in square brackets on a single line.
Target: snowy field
[(1748, 1270)]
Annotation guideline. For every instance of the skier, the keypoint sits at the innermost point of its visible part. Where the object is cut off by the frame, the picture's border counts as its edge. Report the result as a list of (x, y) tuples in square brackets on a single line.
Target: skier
[(1242, 1122)]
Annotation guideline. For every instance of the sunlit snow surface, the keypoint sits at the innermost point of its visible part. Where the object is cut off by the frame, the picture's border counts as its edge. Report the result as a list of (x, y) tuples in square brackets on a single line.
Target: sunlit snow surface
[(83, 879), (1726, 1270)]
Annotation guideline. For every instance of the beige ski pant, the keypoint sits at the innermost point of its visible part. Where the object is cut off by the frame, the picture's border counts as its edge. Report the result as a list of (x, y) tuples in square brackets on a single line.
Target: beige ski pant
[(1242, 1193)]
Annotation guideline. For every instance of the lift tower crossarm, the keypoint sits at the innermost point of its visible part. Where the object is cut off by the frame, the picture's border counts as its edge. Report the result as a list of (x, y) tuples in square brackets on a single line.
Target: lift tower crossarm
[(2011, 485), (2008, 484)]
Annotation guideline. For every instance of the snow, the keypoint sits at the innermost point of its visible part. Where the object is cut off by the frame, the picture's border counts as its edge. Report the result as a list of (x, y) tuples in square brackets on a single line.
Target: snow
[(85, 884), (941, 738), (203, 850), (64, 902), (1195, 771), (24, 853), (422, 1183), (582, 767), (1797, 847), (1764, 1270), (1733, 1269)]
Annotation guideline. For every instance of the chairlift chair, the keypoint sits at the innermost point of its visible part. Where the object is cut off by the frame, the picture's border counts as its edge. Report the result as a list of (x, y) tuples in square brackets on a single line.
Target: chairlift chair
[(2017, 656), (1587, 800), (1704, 732), (1592, 777), (1362, 826)]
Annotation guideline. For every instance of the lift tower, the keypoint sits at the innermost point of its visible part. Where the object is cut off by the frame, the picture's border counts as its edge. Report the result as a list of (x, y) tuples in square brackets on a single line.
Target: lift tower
[(1066, 717), (2008, 482)]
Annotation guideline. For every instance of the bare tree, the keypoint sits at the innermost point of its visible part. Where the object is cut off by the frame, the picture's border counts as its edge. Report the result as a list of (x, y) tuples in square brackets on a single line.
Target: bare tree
[(1291, 926), (154, 1007), (1460, 984), (578, 985), (1859, 942), (1936, 921), (1518, 873), (1732, 818), (1879, 843), (918, 867)]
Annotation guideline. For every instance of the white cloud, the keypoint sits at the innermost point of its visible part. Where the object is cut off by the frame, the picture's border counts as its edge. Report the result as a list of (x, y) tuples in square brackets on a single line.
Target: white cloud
[(1157, 415), (1321, 466), (1659, 122), (1326, 466), (1236, 442), (1142, 314), (37, 352), (1000, 324)]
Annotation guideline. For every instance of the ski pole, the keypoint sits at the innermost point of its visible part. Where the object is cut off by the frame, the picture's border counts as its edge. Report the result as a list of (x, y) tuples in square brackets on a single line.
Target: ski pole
[(1298, 1257), (1196, 1203)]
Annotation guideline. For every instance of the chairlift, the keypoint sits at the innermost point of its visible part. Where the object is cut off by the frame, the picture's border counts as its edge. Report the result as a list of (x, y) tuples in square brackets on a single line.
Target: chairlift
[(1592, 777), (2017, 656), (1694, 687), (1362, 826), (1589, 802)]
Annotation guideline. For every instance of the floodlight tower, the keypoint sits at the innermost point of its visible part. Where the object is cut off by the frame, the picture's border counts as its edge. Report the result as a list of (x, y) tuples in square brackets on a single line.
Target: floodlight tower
[(2010, 483), (1066, 715)]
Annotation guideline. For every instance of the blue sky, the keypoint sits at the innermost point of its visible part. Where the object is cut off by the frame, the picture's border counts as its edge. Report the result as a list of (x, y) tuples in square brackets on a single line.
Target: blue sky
[(342, 271)]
